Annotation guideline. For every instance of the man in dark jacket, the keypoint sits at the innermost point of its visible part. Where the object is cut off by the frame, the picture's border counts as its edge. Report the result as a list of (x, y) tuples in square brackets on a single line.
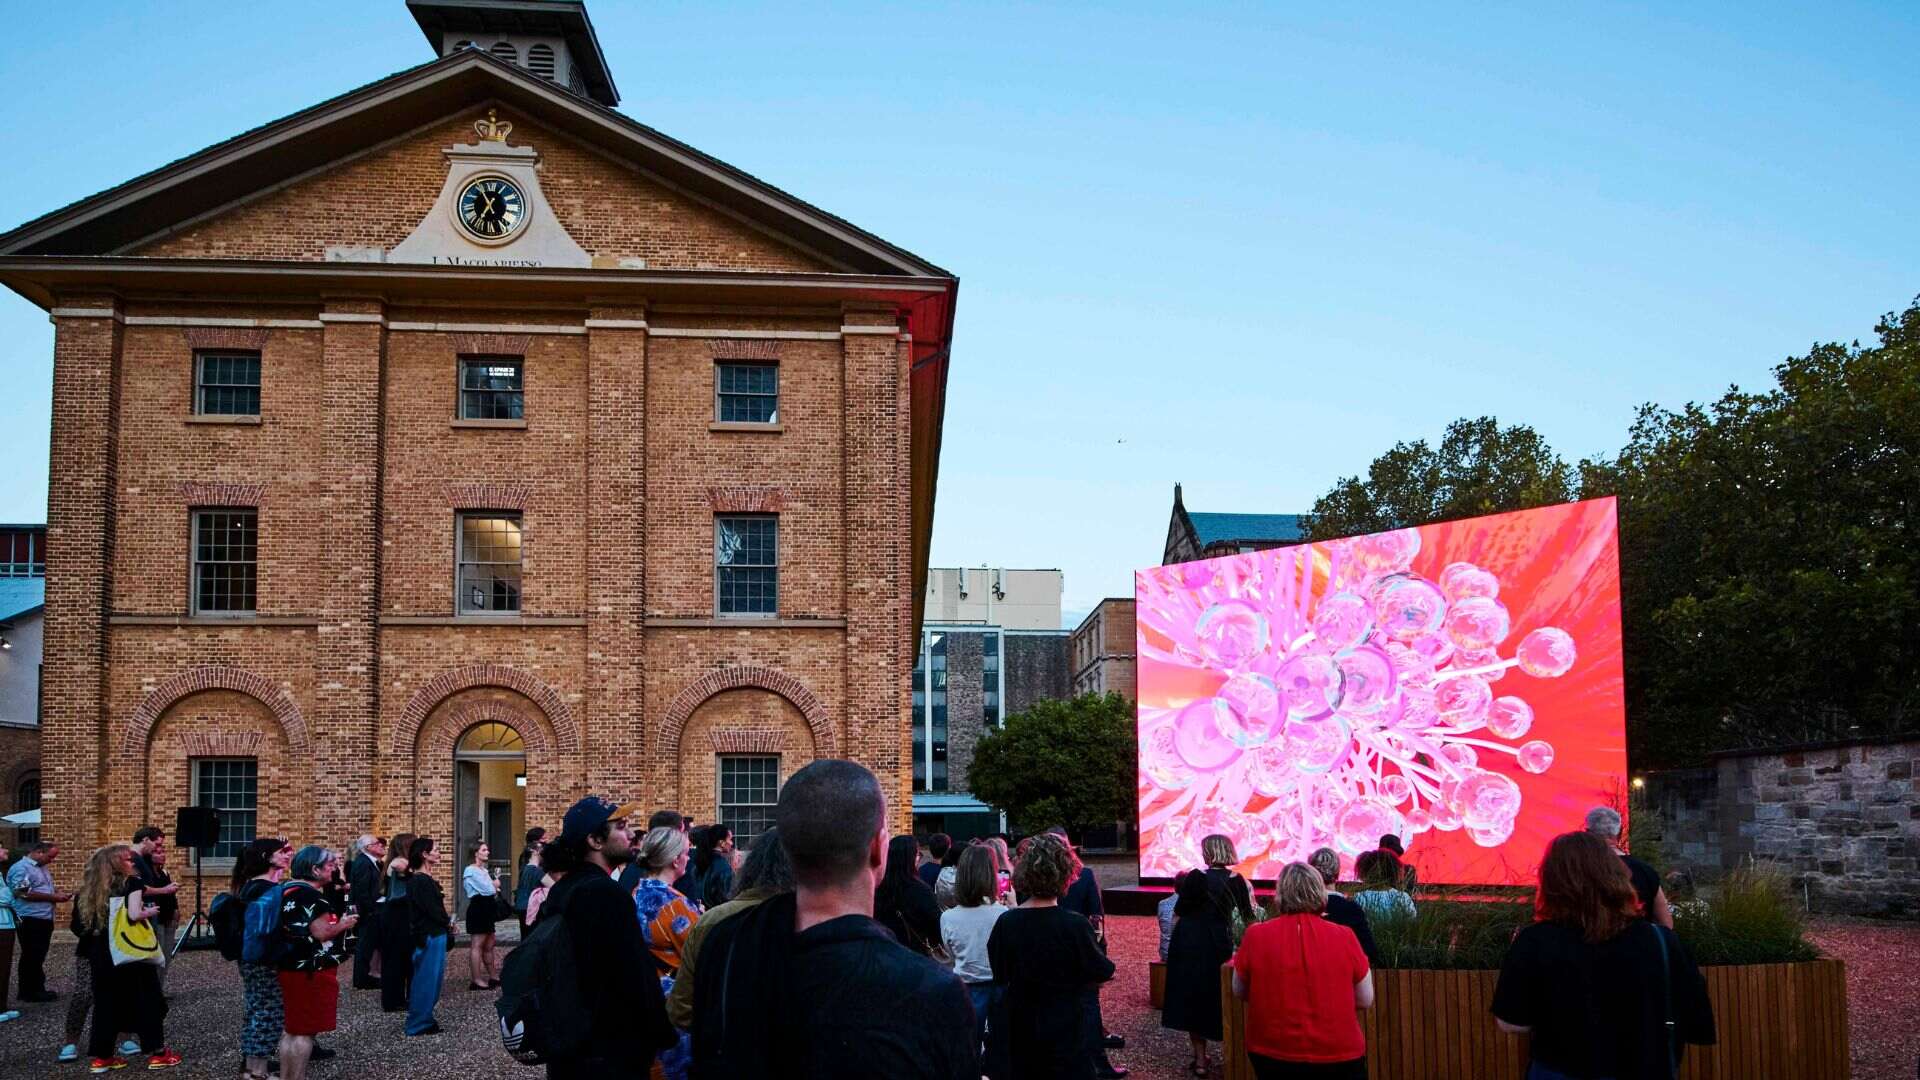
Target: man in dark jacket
[(807, 985), (616, 973), (363, 892)]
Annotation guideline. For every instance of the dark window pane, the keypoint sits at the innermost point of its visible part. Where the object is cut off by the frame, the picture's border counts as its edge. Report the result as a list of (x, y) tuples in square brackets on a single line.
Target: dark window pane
[(231, 786), (746, 573), (748, 393), (227, 384), (492, 388), (225, 557), (749, 787)]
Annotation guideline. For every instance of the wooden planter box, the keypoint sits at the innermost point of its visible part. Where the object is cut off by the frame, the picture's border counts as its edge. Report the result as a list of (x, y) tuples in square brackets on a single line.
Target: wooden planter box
[(1772, 1019)]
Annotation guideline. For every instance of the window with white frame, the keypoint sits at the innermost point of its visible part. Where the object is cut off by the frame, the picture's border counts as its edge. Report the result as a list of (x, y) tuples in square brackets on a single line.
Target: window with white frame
[(226, 383), (232, 787), (226, 554), (749, 788), (746, 572), (488, 581), (746, 393)]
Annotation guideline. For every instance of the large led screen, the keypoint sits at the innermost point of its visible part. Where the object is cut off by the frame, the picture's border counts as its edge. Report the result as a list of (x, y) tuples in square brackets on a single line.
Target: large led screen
[(1457, 684)]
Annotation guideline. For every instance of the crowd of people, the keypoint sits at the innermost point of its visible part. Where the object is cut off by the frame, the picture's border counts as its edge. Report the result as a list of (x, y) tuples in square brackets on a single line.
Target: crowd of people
[(830, 949), (1598, 980)]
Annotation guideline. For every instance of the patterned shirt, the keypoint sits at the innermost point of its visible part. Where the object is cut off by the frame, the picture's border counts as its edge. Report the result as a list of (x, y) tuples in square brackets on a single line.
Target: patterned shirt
[(666, 918)]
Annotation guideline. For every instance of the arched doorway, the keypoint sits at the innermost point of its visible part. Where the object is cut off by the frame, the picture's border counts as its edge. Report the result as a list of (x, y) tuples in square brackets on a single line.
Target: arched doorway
[(489, 800)]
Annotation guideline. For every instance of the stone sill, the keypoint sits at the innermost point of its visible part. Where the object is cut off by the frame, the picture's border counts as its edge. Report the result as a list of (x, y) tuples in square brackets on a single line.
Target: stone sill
[(764, 429), (212, 620), (747, 624), (246, 421), (482, 620), (508, 425)]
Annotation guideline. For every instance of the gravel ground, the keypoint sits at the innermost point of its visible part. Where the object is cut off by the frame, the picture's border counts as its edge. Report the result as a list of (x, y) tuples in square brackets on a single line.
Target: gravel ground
[(1883, 1004), (204, 1020)]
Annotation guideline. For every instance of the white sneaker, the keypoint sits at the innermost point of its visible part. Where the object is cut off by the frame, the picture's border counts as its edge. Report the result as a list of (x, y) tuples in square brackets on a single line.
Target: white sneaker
[(69, 1052), (11, 1014), (129, 1048)]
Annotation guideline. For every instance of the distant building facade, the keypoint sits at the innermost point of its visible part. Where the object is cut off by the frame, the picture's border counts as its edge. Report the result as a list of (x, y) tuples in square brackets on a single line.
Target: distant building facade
[(1102, 650), (991, 646), (23, 601), (1193, 535)]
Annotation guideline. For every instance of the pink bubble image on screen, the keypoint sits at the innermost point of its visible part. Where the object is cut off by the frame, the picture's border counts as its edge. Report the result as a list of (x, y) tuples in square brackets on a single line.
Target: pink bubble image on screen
[(1457, 685)]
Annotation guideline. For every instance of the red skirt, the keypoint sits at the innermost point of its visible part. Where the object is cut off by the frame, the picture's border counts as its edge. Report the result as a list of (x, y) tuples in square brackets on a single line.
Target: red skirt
[(312, 1000)]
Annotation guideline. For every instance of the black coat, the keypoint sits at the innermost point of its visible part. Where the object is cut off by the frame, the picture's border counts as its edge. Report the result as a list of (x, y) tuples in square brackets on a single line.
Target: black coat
[(363, 884)]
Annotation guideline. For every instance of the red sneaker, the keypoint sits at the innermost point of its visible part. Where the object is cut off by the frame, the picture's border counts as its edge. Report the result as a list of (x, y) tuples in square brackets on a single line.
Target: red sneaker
[(167, 1058), (108, 1064)]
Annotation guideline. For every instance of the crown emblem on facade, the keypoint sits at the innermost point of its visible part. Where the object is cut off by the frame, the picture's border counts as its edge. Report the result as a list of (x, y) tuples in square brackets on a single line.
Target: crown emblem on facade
[(492, 130)]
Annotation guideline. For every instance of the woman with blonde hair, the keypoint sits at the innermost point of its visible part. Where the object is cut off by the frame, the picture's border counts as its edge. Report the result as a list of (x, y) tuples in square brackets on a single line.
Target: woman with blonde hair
[(666, 918), (1047, 963), (1302, 978), (124, 995), (1201, 941)]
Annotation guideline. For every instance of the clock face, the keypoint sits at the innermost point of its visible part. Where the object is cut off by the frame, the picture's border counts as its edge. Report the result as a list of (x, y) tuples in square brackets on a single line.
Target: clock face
[(492, 207)]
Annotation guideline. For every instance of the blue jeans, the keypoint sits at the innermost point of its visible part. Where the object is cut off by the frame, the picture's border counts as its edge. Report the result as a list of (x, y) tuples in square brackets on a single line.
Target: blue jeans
[(429, 967)]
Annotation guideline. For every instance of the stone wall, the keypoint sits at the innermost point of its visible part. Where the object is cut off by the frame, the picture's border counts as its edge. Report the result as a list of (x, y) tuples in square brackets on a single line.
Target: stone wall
[(1843, 819), (1037, 669)]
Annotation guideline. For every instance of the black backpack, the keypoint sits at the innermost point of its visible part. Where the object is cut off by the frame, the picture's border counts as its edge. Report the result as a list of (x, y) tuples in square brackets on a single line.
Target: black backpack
[(228, 914), (542, 1013)]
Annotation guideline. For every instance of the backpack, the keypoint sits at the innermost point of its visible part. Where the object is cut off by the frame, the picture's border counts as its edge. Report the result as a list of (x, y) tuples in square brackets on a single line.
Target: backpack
[(542, 1013), (262, 942), (227, 915)]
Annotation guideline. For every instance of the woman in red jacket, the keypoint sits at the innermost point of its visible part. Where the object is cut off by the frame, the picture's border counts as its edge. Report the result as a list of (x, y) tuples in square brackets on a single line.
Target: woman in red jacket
[(1302, 978)]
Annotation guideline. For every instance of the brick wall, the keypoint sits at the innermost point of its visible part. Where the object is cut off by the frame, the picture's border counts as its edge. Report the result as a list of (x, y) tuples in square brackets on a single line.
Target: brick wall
[(609, 209), (1843, 820)]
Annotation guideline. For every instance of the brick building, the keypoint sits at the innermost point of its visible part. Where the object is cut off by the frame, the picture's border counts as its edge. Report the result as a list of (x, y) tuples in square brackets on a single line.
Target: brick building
[(991, 647), (1102, 650), (459, 445)]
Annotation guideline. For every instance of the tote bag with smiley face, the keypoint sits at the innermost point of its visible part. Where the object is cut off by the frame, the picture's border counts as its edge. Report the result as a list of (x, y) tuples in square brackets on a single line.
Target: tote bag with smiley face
[(130, 941)]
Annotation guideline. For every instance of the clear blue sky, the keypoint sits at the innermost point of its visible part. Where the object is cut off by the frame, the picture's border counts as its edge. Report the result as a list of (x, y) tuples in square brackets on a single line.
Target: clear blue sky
[(1244, 248)]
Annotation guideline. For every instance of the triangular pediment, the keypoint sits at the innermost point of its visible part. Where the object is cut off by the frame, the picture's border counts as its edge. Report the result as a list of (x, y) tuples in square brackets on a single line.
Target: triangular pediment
[(629, 195)]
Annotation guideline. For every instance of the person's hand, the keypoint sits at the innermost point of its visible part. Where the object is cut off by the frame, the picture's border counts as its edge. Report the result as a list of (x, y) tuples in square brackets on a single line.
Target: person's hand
[(62, 897), (164, 890), (349, 922)]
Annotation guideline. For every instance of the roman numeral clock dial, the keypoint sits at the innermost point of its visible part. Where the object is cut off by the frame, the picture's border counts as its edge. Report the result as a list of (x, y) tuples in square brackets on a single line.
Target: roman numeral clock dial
[(491, 207)]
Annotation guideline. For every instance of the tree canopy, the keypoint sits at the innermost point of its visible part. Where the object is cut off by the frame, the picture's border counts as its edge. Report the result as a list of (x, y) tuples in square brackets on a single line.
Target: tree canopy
[(1478, 468), (1060, 763), (1770, 576)]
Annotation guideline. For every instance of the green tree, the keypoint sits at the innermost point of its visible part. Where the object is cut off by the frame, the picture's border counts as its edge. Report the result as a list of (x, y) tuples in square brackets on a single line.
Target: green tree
[(1478, 468), (1060, 763), (1770, 571)]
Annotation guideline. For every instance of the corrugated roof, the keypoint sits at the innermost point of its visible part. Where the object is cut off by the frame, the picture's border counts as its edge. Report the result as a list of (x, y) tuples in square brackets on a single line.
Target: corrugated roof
[(19, 595), (1219, 528)]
